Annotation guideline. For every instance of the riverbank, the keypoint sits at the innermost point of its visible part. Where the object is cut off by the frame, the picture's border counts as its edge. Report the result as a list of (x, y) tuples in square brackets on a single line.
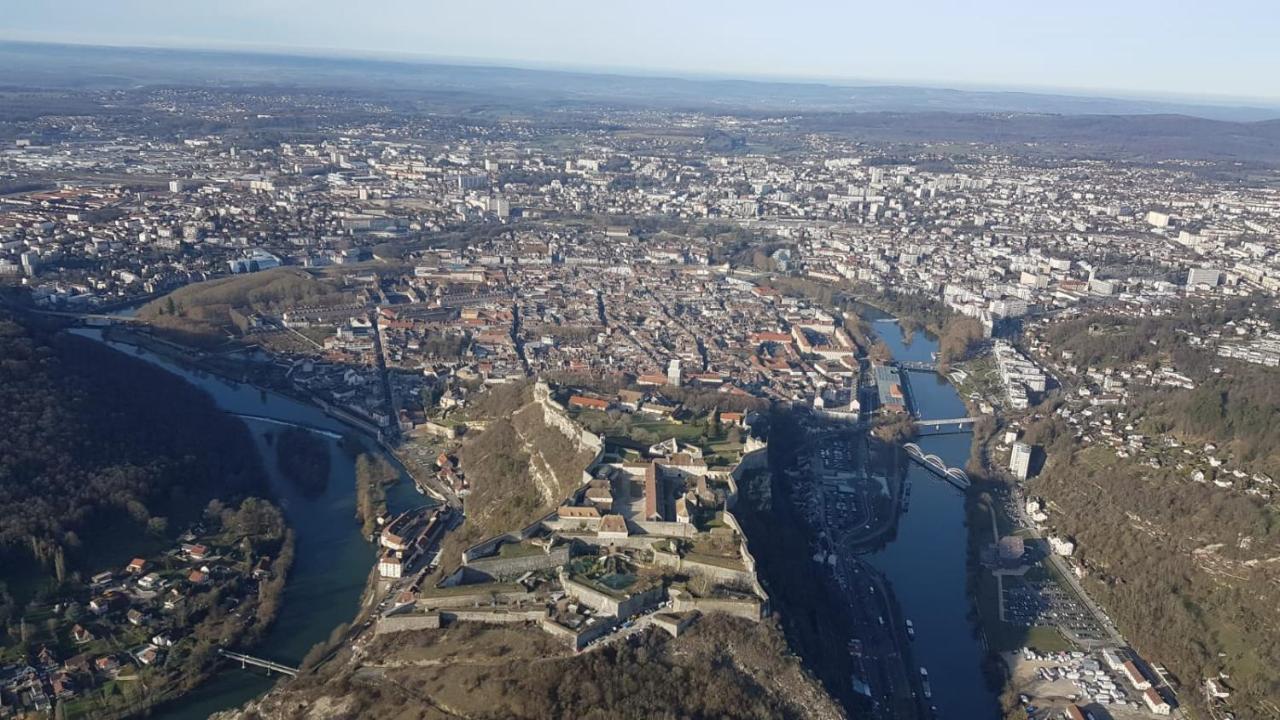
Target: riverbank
[(195, 359), (893, 463), (991, 507), (845, 606), (146, 541), (334, 559), (248, 572)]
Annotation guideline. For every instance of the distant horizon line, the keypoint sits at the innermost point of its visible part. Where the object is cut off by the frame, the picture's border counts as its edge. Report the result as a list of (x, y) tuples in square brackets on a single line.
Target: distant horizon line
[(330, 53)]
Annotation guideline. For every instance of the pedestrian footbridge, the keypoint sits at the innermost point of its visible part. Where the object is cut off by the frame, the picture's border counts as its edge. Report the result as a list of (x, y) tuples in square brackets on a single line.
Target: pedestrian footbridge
[(270, 665)]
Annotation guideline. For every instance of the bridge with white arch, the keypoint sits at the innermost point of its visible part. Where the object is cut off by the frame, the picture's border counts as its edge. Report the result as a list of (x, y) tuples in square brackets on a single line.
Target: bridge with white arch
[(934, 464)]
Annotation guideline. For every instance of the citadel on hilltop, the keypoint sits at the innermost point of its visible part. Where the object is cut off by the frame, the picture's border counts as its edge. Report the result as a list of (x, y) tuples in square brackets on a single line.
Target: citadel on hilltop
[(649, 540)]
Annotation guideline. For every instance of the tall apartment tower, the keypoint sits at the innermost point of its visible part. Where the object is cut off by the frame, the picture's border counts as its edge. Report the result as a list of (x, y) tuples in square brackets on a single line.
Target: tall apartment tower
[(673, 372), (1020, 460), (1203, 276)]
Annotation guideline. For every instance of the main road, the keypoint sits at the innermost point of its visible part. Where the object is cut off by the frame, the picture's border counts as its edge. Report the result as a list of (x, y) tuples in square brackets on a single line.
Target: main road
[(888, 670)]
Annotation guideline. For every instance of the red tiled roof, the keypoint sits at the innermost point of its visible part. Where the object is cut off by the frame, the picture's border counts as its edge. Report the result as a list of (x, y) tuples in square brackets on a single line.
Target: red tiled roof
[(586, 402)]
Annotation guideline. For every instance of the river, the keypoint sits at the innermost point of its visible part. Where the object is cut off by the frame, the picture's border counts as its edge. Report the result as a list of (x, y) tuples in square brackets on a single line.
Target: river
[(332, 560), (926, 560)]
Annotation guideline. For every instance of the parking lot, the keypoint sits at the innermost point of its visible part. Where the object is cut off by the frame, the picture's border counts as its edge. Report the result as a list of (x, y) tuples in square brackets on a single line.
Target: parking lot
[(1047, 682), (836, 459), (1031, 601)]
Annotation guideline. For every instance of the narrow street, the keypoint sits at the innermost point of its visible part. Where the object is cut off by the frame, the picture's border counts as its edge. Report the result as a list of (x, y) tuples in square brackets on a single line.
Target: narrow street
[(381, 359)]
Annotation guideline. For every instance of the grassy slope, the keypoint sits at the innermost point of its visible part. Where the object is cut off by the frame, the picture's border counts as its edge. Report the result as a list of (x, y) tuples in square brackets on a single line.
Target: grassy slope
[(204, 313), (722, 668), (500, 465)]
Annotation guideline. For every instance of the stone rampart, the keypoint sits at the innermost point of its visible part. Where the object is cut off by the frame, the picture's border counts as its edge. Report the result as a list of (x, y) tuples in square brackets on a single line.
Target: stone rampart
[(488, 547), (494, 617), (406, 623), (483, 595), (499, 567), (666, 529), (750, 608), (620, 607), (580, 638)]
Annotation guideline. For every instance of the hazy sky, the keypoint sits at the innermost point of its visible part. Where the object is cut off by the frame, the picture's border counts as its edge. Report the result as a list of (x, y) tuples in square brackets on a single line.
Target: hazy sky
[(1192, 48)]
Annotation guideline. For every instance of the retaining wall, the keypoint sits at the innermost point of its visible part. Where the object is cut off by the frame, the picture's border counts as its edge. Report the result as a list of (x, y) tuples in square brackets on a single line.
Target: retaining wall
[(405, 623), (573, 525), (579, 639), (494, 617), (750, 609), (675, 625), (606, 603), (488, 547), (666, 529), (637, 542), (748, 560), (439, 430), (479, 598), (496, 566), (693, 567)]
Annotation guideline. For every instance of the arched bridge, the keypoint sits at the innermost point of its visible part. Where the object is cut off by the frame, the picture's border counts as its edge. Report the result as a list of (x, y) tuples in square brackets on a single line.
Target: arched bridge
[(934, 464)]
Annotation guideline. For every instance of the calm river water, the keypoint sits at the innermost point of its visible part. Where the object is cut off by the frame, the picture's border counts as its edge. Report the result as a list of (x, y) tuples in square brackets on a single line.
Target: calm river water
[(926, 561), (332, 560)]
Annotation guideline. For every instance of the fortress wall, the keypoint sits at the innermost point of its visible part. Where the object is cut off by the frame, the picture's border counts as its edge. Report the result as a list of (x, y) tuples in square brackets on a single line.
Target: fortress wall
[(404, 623), (481, 597), (500, 617), (750, 609), (505, 567), (666, 529)]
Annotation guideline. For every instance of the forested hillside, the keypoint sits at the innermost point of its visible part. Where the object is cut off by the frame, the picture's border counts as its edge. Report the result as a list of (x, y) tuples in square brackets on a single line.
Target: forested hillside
[(1235, 405), (1187, 569), (1188, 572), (98, 451)]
